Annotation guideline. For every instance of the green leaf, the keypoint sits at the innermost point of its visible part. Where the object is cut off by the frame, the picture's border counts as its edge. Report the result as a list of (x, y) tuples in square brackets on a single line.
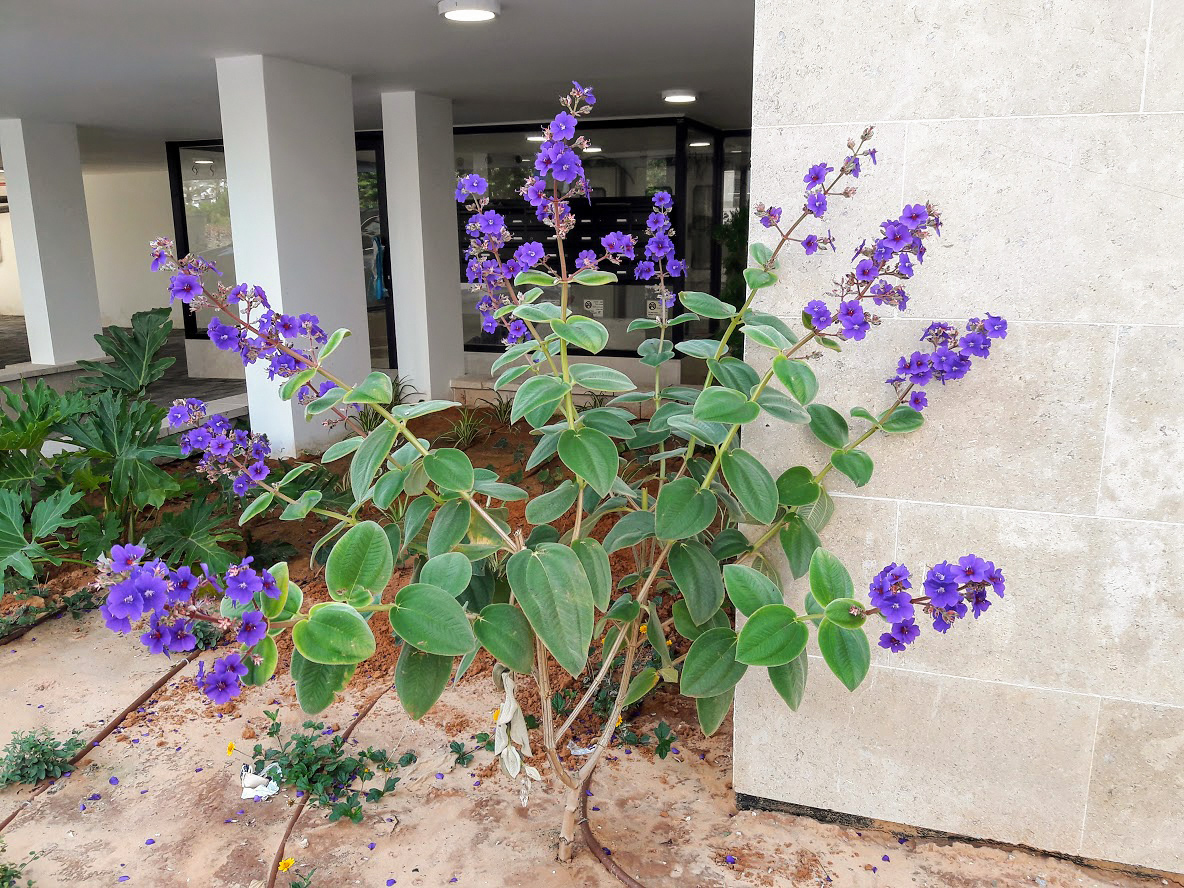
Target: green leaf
[(451, 571), (338, 449), (688, 426), (317, 684), (509, 376), (799, 541), (533, 279), (420, 679), (592, 455), (505, 632), (734, 373), (335, 339), (596, 567), (770, 337), (630, 529), (758, 278), (828, 425), (305, 503), (547, 507), (760, 254), (195, 535), (431, 619), (860, 413), (390, 485), (781, 407), (752, 484), (268, 657), (538, 395), (688, 628), (296, 382), (796, 487), (771, 637), (613, 421), (582, 332), (361, 559), (642, 324), (590, 277), (749, 589), (846, 652), (683, 510), (706, 305), (644, 682), (450, 469), (790, 680), (846, 612), (797, 377), (719, 404), (601, 379), (327, 401), (697, 575), (134, 364), (828, 578), (818, 513), (376, 388), (855, 464), (371, 454), (334, 634), (701, 348), (711, 668), (448, 527), (713, 710), (903, 420), (553, 591), (729, 543)]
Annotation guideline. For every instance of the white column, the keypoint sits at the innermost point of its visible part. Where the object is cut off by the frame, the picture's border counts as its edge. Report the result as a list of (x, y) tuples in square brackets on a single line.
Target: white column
[(291, 169), (51, 239), (425, 263)]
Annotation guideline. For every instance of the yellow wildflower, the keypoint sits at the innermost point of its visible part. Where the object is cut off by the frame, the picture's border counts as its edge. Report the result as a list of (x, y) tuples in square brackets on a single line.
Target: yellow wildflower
[(644, 626), (496, 713), (230, 748), (286, 864)]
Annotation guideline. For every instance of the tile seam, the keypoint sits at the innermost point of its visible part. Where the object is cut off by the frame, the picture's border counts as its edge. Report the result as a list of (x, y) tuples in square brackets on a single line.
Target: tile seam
[(1146, 59), (1106, 423), (1001, 117), (1093, 750)]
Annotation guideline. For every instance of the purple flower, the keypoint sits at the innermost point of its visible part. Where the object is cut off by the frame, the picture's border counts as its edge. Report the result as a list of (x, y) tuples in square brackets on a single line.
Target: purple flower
[(530, 254), (586, 259), (918, 368), (242, 586), (972, 569), (941, 585), (270, 587), (853, 319), (618, 244), (221, 687), (470, 184), (676, 268), (183, 638), (816, 176), (816, 203), (257, 471), (158, 639), (153, 590), (867, 270), (221, 446), (489, 222), (657, 222), (114, 781), (819, 314), (184, 286), (659, 247), (995, 327), (241, 485), (904, 266), (567, 167), (126, 557), (644, 271), (914, 216), (253, 629), (977, 344), (663, 200), (896, 236), (995, 578), (232, 664), (563, 127), (159, 258), (224, 336), (810, 244), (178, 415), (771, 217), (918, 400), (948, 365), (115, 624), (124, 601)]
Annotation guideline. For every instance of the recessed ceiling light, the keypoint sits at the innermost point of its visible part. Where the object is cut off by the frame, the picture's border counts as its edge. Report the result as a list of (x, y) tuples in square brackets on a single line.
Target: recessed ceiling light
[(679, 96), (203, 161), (469, 10), (699, 144), (535, 139), (591, 149)]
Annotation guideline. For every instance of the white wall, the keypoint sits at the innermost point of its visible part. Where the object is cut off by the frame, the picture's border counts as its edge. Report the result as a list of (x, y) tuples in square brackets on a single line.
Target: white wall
[(125, 209), (10, 285)]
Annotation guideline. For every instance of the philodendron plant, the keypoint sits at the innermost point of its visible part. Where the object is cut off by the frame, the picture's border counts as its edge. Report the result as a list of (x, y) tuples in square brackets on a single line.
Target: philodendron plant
[(658, 476)]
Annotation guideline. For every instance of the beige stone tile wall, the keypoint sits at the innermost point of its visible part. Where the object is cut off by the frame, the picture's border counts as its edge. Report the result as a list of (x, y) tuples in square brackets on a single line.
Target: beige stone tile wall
[(1049, 134)]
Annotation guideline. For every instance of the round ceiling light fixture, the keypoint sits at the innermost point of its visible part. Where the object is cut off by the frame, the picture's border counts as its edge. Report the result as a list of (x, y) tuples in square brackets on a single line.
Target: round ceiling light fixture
[(679, 96), (469, 10)]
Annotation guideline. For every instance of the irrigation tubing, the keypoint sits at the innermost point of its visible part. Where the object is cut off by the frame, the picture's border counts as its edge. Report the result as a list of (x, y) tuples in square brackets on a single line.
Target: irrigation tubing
[(598, 849), (101, 736), (17, 633), (279, 852)]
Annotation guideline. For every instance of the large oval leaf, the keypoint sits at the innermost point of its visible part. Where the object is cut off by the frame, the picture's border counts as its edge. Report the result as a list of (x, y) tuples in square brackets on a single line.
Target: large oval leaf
[(361, 559), (828, 425), (697, 574), (601, 379), (720, 404), (539, 394), (420, 679), (711, 668), (855, 464), (749, 589), (546, 508), (505, 632), (370, 456), (688, 628), (771, 637), (790, 680), (592, 455), (797, 377), (449, 468), (334, 634), (451, 571), (683, 510), (630, 529), (553, 591), (713, 710), (828, 578), (448, 527), (432, 620), (582, 332), (595, 563), (261, 661), (846, 652), (317, 684), (752, 484)]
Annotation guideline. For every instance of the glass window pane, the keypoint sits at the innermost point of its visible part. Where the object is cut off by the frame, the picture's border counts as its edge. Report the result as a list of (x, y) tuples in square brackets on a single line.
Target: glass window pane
[(207, 214)]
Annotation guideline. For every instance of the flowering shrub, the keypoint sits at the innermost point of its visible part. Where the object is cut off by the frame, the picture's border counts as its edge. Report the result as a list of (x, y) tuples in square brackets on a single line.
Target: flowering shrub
[(670, 491)]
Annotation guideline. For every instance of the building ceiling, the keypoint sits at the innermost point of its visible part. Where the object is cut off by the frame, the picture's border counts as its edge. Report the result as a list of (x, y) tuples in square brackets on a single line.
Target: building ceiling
[(136, 72)]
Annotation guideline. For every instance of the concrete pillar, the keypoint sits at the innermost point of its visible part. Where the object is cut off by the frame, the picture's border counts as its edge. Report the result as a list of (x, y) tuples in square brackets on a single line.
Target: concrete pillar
[(425, 257), (51, 239), (291, 169)]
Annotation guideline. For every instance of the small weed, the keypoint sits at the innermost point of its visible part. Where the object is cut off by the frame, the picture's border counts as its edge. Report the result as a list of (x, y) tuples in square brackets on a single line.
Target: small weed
[(465, 756), (36, 755), (665, 738), (403, 390), (468, 429), (302, 881), (500, 408), (563, 701), (12, 873), (207, 634), (502, 443), (318, 764)]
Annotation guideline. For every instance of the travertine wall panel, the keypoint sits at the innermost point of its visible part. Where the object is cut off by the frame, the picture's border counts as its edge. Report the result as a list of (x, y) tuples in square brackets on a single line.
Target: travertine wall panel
[(1048, 133)]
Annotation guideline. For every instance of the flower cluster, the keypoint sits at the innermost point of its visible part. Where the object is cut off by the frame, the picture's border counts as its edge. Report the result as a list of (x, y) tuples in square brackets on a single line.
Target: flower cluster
[(140, 590), (227, 452), (660, 262), (951, 590), (951, 357)]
